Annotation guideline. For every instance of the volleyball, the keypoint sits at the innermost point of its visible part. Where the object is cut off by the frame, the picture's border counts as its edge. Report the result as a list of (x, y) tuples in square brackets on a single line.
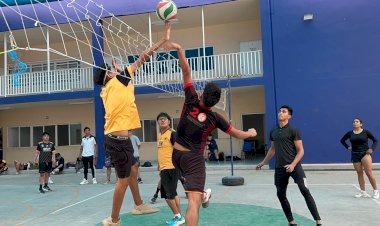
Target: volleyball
[(166, 10)]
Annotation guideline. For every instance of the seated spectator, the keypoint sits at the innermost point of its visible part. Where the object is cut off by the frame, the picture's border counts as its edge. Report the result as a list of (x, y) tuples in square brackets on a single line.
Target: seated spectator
[(3, 166), (213, 150), (60, 163), (22, 166)]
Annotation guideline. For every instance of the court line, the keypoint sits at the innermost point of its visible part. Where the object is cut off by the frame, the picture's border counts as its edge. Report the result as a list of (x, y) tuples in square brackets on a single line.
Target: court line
[(85, 200), (375, 200)]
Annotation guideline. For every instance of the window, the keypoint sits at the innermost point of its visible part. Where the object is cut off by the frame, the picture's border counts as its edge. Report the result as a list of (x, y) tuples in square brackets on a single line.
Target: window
[(13, 137), (175, 122), (63, 135), (51, 130), (75, 134), (24, 136), (150, 130), (139, 132), (37, 134)]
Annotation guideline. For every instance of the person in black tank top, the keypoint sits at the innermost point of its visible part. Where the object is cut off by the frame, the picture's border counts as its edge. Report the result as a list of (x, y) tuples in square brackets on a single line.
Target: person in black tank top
[(361, 155), (196, 123)]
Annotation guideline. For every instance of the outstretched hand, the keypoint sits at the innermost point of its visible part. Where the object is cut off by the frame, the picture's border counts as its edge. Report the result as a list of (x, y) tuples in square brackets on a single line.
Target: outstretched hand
[(116, 66), (167, 33)]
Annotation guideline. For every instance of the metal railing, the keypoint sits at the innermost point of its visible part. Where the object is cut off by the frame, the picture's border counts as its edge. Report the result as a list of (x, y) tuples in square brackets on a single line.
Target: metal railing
[(243, 64)]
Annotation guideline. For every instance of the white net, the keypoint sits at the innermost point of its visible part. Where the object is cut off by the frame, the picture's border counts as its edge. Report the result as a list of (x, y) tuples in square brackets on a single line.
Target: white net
[(78, 37)]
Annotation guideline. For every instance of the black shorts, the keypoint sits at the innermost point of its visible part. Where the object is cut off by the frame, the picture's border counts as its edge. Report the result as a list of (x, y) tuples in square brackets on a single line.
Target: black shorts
[(169, 182), (121, 151), (192, 168), (357, 156), (281, 177), (45, 167)]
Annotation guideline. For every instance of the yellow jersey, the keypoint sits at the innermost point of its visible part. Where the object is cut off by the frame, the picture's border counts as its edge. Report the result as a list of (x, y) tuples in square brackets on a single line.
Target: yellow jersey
[(120, 108), (165, 149)]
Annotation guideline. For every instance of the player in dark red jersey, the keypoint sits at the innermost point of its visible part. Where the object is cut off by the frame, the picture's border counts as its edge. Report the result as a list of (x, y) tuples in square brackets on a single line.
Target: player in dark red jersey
[(196, 123)]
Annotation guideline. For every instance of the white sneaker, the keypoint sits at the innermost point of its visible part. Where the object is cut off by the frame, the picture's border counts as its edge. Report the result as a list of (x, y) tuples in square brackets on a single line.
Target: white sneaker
[(362, 194), (206, 198), (84, 181), (50, 181), (375, 194), (94, 181)]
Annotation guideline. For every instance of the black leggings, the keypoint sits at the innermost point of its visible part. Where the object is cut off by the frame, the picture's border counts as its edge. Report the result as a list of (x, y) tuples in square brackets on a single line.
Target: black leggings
[(88, 160), (281, 181)]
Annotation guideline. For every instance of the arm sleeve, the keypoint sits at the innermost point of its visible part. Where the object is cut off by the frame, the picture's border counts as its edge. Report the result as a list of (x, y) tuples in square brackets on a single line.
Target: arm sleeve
[(222, 123), (94, 139), (38, 148), (373, 138), (343, 140), (190, 93), (297, 135), (172, 137), (125, 76)]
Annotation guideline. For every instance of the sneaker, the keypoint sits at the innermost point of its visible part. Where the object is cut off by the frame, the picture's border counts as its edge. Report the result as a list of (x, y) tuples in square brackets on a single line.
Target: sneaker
[(41, 191), (108, 222), (107, 182), (206, 198), (143, 209), (50, 181), (176, 221), (375, 194), (139, 180), (362, 194), (46, 188), (84, 181), (94, 181), (153, 200)]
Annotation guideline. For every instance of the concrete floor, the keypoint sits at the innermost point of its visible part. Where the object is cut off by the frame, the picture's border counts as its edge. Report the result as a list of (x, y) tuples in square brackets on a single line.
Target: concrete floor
[(72, 204)]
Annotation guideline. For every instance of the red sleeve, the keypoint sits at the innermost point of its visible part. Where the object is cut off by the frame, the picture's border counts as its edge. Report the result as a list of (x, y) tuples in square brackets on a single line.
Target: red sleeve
[(190, 92), (222, 123)]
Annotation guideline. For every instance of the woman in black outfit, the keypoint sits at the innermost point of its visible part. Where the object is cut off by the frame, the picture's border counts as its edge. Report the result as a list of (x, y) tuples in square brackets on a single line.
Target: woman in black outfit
[(361, 155)]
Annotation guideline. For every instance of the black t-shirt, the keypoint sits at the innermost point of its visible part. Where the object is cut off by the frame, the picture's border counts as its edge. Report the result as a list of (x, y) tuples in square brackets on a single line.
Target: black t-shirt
[(283, 139), (197, 122), (212, 146), (45, 150), (359, 142), (61, 161)]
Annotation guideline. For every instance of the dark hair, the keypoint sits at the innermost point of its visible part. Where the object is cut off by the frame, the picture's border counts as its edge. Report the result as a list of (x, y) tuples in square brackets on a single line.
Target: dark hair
[(164, 114), (86, 128), (290, 110), (211, 94), (45, 133), (100, 73), (361, 121), (57, 155)]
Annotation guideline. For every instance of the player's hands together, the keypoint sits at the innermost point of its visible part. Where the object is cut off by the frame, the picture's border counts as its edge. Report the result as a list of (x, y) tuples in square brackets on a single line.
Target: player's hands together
[(252, 132)]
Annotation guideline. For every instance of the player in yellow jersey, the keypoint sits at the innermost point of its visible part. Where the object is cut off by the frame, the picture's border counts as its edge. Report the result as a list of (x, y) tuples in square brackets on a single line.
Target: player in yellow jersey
[(168, 173), (121, 115)]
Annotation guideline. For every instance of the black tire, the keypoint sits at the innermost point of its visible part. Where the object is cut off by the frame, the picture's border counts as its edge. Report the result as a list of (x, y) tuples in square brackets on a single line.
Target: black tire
[(232, 181)]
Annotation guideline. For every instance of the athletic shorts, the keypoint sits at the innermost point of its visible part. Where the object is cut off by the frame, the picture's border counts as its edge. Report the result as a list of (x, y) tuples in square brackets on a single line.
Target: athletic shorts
[(192, 168), (121, 151), (169, 182), (45, 167), (281, 177), (357, 156)]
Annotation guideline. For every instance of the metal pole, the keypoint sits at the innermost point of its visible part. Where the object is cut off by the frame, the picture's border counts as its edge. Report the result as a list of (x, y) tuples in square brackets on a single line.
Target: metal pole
[(48, 58), (203, 40), (230, 118), (5, 65)]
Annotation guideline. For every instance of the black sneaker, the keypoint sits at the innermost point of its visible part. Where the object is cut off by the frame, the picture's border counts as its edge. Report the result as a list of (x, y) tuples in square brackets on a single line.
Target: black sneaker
[(153, 200), (46, 188), (139, 180), (41, 191)]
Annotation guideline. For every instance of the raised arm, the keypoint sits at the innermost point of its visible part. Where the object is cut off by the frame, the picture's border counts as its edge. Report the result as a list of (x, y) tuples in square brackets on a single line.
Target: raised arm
[(186, 72), (145, 56)]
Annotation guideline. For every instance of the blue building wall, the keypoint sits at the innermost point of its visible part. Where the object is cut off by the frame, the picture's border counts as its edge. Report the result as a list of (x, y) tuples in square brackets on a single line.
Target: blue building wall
[(327, 69)]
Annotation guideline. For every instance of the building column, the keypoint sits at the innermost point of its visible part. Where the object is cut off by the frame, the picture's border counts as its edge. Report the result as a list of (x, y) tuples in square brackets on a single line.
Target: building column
[(269, 77), (97, 51)]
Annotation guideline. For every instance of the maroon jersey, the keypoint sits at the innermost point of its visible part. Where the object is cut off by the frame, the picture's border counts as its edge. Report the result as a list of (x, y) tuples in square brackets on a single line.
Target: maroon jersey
[(197, 122)]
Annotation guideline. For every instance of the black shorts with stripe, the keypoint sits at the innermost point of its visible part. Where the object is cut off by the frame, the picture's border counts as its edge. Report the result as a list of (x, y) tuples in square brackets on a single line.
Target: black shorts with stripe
[(121, 152)]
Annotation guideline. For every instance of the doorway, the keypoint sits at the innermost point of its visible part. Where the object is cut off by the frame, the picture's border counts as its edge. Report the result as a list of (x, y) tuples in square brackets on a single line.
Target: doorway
[(256, 121)]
